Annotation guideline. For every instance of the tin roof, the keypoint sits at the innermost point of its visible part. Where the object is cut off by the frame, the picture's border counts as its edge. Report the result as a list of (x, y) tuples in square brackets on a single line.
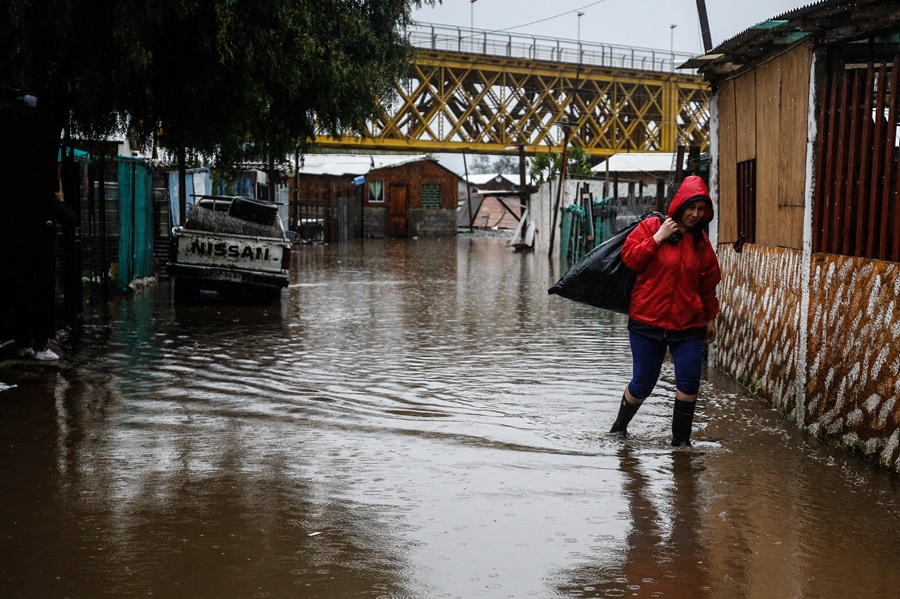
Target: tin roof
[(638, 162), (353, 164), (825, 22), (485, 178)]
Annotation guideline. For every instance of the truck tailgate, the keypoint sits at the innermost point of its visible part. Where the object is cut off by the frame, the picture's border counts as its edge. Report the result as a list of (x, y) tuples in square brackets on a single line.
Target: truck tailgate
[(230, 251)]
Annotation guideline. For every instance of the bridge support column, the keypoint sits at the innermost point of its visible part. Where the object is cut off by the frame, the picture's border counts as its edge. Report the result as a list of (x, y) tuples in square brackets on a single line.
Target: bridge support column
[(670, 110)]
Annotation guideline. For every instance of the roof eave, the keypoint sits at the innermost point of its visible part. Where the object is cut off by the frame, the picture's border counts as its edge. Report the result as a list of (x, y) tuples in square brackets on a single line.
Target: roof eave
[(824, 22)]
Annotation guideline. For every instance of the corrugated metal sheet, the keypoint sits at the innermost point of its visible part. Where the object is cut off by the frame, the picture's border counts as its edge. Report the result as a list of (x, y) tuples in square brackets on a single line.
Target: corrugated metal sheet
[(352, 164), (638, 162)]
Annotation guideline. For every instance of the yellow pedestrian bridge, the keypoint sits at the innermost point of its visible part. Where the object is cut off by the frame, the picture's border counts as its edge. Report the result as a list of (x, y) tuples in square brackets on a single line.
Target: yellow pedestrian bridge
[(492, 92)]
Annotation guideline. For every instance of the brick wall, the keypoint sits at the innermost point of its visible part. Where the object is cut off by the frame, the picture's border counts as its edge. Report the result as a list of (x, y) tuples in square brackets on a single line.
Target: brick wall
[(374, 221), (425, 222), (431, 220)]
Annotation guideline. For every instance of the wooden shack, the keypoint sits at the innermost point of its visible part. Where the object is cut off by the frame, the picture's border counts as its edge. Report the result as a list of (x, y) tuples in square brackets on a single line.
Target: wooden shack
[(336, 197), (806, 109), (415, 198)]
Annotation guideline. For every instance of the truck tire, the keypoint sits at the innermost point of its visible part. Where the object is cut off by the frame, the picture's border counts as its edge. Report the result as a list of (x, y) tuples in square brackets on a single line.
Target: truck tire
[(269, 294), (184, 291)]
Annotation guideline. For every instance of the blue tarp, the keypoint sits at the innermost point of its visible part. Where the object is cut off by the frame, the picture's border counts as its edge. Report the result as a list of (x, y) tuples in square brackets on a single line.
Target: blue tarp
[(196, 181)]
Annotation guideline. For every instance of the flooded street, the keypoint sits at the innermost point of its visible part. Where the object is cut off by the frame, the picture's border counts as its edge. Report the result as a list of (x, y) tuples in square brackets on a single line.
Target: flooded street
[(417, 419)]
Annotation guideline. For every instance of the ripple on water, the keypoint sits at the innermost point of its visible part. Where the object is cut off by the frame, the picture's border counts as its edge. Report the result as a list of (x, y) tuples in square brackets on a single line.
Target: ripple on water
[(438, 419)]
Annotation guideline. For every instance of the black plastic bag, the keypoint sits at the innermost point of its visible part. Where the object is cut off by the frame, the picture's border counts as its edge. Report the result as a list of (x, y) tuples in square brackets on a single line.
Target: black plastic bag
[(600, 278)]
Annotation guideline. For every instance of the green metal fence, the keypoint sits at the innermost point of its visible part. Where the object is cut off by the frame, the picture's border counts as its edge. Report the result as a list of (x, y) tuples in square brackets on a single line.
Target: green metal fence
[(578, 235), (136, 221)]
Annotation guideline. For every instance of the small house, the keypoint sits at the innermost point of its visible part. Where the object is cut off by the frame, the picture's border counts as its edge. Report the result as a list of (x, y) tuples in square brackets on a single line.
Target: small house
[(341, 196), (491, 201), (493, 181)]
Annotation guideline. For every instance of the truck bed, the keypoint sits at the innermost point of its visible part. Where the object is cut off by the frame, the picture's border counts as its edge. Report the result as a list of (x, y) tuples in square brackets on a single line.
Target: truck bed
[(217, 251)]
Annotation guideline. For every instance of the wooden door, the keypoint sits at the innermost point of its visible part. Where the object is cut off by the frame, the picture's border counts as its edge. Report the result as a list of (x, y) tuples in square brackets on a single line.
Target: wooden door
[(398, 200)]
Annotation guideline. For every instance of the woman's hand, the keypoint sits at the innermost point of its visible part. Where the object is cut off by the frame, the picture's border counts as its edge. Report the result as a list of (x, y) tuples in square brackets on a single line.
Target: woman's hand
[(710, 332), (666, 230)]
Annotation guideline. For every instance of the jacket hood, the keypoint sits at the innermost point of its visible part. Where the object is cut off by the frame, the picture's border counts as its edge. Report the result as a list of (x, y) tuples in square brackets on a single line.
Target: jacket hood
[(692, 188)]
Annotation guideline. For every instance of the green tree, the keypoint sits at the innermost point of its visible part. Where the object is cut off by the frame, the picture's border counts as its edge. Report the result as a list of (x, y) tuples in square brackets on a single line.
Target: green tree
[(483, 165), (209, 75), (506, 165), (480, 165), (545, 167), (578, 163), (212, 77)]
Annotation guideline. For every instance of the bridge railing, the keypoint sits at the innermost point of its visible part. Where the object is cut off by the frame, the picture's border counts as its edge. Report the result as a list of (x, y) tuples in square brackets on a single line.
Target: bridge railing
[(512, 45)]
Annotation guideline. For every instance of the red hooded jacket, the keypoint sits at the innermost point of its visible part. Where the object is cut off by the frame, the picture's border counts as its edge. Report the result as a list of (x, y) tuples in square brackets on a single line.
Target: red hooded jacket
[(676, 282)]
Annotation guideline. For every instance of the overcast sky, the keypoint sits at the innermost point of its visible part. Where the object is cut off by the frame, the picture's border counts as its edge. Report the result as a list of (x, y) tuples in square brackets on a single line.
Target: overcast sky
[(644, 23)]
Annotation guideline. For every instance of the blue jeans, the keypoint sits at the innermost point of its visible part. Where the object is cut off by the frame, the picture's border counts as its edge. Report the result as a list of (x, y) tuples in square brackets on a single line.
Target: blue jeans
[(648, 355)]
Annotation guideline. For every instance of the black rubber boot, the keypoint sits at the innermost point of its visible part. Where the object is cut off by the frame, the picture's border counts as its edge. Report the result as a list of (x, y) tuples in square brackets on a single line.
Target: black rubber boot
[(626, 413), (682, 420)]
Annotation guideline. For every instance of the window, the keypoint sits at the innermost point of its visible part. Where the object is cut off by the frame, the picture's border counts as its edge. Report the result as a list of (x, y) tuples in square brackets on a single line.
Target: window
[(746, 201), (855, 210), (431, 196), (376, 191)]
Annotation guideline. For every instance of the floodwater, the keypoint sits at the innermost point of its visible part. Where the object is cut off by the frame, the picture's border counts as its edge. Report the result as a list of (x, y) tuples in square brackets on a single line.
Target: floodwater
[(417, 419)]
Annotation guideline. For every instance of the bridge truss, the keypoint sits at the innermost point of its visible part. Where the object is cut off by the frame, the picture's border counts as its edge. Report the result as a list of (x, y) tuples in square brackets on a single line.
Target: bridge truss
[(455, 101)]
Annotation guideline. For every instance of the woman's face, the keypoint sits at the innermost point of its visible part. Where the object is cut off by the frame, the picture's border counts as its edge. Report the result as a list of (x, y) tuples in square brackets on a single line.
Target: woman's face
[(691, 215)]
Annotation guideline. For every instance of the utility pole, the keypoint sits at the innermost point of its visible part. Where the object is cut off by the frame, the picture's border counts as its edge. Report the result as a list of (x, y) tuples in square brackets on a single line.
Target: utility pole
[(469, 191), (704, 26)]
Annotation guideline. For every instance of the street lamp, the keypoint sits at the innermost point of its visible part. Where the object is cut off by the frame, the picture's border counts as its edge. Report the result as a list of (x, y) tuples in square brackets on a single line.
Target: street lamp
[(472, 21), (580, 14), (672, 43)]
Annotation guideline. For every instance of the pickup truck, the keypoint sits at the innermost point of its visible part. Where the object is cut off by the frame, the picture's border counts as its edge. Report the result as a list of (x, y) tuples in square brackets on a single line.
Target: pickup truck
[(234, 246)]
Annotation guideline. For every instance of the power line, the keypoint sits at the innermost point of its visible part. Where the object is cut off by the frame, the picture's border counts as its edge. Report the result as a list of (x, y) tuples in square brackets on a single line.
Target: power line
[(562, 14)]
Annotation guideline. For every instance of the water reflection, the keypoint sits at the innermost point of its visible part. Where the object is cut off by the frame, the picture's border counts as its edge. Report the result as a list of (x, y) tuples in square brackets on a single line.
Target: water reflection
[(664, 554), (415, 419)]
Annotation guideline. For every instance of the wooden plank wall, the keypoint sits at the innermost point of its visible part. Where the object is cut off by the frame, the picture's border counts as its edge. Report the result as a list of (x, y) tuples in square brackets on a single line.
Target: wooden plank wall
[(763, 115), (795, 128), (769, 132), (745, 112), (415, 175), (727, 197)]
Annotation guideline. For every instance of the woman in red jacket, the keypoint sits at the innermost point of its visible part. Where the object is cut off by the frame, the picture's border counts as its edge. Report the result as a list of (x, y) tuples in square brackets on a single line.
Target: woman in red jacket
[(673, 304)]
